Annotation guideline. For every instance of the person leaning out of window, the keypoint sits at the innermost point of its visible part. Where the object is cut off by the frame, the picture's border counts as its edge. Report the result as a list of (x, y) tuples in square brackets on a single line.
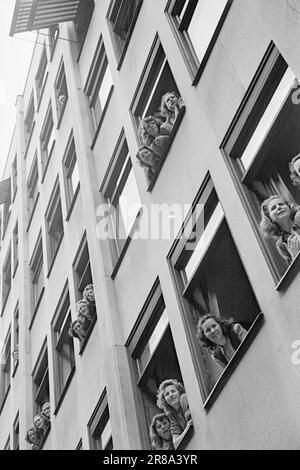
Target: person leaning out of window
[(160, 433), (172, 399), (220, 336), (280, 219)]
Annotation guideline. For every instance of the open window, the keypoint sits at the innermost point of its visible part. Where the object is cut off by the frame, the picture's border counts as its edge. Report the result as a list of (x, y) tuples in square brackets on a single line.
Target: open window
[(41, 390), (15, 248), (99, 426), (210, 279), (41, 76), (61, 92), (37, 274), (154, 358), (53, 34), (122, 196), (47, 139), (121, 17), (29, 121), (5, 373), (16, 433), (71, 174), (157, 109), (54, 225), (32, 188), (6, 278), (196, 25), (63, 347), (258, 147), (14, 177), (16, 339)]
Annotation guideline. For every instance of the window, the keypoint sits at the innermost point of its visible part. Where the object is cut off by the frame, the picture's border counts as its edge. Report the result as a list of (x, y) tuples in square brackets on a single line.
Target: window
[(207, 271), (5, 369), (15, 247), (32, 188), (121, 193), (61, 91), (40, 377), (84, 15), (150, 105), (99, 85), (259, 146), (14, 172), (15, 353), (6, 278), (82, 269), (53, 33), (71, 173), (63, 347), (54, 224), (42, 75), (196, 24), (29, 120), (122, 16), (7, 444), (37, 274), (47, 138), (99, 426), (154, 358), (16, 433)]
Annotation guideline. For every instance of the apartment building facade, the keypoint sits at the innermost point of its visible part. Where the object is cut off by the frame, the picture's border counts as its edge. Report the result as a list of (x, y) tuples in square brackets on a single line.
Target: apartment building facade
[(84, 210)]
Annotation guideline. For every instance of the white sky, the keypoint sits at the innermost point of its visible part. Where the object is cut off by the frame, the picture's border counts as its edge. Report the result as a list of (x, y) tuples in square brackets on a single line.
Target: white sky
[(15, 56)]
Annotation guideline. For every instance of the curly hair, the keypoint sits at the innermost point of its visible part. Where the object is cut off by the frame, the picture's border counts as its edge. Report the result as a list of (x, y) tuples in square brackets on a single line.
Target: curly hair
[(161, 401), (146, 138), (268, 227), (295, 178), (72, 333), (88, 287), (163, 107), (37, 433), (155, 438), (225, 325)]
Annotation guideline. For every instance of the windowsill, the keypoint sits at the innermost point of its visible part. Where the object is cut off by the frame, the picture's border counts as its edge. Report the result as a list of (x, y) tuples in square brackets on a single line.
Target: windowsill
[(4, 399), (236, 358), (5, 302), (42, 93), (15, 269), (15, 369), (65, 389), (127, 243), (129, 34), (73, 202), (29, 140), (44, 438), (91, 328), (62, 112), (289, 274), (55, 255), (32, 212), (36, 308), (163, 158), (47, 162), (102, 117)]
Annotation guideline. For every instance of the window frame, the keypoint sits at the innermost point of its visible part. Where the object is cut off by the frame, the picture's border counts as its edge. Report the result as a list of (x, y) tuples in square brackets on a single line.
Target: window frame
[(16, 336), (6, 286), (29, 122), (98, 69), (177, 258), (257, 97), (5, 376), (98, 422), (36, 265), (60, 324), (47, 131), (16, 433), (120, 49), (69, 162), (41, 383), (60, 88), (14, 177), (32, 188), (15, 249), (112, 187), (179, 27), (53, 38), (54, 209), (41, 76)]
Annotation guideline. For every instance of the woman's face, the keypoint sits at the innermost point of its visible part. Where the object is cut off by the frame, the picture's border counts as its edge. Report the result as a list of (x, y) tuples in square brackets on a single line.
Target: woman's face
[(77, 327), (38, 421), (82, 307), (147, 157), (171, 101), (32, 436), (296, 166), (172, 396), (151, 128), (89, 294), (212, 330), (163, 429), (278, 210), (46, 409)]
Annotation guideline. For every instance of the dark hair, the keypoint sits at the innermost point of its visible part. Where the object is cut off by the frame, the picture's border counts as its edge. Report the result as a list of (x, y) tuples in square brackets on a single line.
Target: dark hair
[(156, 439), (268, 227), (161, 401), (295, 178), (225, 325), (37, 433)]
